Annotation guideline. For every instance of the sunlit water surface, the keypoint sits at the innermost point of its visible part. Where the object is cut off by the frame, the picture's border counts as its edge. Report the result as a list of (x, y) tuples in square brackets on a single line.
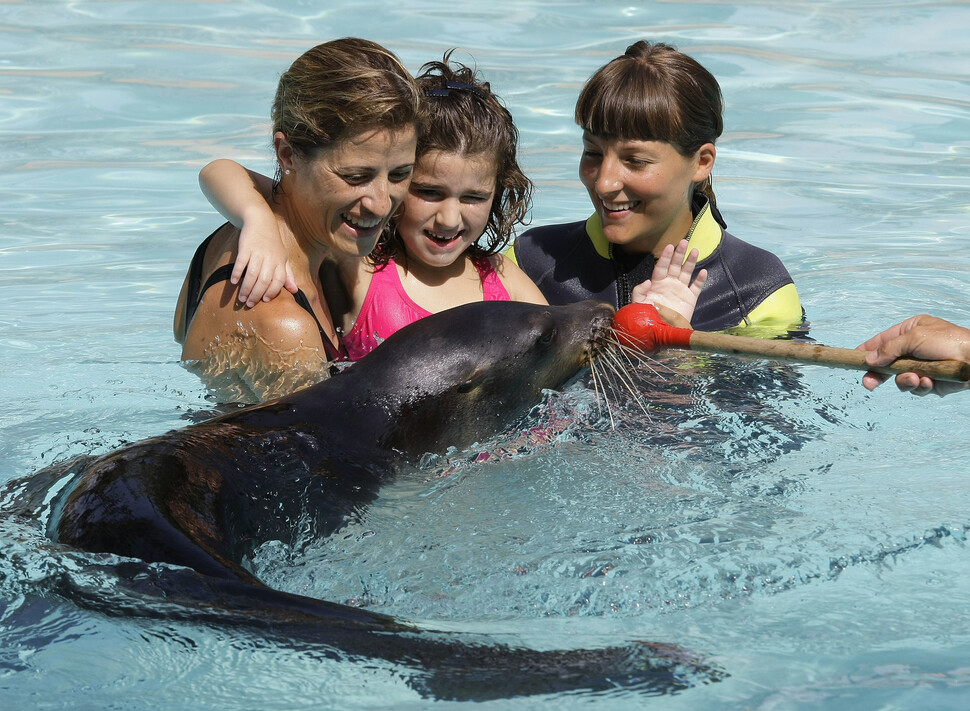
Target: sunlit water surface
[(803, 535)]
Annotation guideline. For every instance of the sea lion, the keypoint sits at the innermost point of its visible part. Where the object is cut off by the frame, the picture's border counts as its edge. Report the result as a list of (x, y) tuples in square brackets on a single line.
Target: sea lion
[(204, 496)]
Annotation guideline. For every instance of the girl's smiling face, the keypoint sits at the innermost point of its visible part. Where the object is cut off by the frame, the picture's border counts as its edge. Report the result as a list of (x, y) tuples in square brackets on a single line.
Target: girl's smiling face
[(447, 206), (641, 189)]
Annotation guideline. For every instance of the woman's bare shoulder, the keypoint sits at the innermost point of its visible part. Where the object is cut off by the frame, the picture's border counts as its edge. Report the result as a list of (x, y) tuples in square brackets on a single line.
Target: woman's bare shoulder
[(279, 325), (516, 281)]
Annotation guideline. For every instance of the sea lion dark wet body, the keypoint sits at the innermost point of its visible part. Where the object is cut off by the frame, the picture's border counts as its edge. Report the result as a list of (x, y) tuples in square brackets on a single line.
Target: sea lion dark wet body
[(205, 496)]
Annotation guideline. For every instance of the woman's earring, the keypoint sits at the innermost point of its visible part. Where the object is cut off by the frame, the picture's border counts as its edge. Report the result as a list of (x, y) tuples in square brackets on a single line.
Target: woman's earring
[(287, 171)]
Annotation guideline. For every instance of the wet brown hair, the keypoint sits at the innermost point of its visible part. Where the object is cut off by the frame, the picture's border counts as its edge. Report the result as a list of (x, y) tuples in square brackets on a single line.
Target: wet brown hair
[(339, 89), (461, 116), (653, 92)]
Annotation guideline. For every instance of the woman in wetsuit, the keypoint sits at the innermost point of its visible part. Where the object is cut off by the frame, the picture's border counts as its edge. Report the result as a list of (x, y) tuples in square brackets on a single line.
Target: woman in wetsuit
[(344, 133), (650, 119)]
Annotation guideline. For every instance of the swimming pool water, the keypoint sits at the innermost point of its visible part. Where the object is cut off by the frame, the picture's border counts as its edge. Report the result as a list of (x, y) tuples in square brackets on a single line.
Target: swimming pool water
[(807, 537)]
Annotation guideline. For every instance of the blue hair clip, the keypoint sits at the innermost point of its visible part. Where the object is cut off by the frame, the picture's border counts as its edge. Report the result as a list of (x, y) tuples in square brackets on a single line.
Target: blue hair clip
[(457, 86)]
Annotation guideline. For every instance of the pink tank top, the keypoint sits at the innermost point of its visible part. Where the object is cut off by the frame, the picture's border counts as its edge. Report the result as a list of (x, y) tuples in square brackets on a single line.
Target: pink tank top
[(387, 307)]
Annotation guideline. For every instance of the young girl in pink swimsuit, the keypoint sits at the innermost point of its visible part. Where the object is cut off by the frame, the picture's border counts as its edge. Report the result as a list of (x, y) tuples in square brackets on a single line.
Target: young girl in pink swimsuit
[(467, 193)]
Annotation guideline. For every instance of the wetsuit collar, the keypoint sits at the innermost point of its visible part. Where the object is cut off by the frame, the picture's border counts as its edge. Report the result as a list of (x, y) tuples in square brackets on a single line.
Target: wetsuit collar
[(594, 228), (705, 234)]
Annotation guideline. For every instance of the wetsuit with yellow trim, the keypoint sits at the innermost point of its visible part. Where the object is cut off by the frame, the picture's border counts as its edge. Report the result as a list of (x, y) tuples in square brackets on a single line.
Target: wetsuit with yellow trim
[(746, 285)]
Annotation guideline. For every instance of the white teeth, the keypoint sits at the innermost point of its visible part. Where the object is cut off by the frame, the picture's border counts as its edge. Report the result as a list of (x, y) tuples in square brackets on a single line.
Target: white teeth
[(362, 223), (616, 206), (435, 235)]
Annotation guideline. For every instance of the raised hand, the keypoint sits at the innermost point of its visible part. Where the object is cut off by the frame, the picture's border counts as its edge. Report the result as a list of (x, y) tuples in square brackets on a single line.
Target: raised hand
[(670, 285)]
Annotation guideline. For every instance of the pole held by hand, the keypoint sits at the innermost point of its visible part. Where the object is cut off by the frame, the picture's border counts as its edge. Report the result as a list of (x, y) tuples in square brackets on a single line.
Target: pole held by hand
[(640, 326)]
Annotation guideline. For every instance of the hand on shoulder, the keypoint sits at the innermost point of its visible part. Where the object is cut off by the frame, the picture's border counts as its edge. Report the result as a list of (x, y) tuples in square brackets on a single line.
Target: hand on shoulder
[(262, 264)]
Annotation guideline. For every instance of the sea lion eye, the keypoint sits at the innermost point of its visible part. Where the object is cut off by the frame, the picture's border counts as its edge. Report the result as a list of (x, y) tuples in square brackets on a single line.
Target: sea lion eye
[(545, 340), (473, 381), (545, 324)]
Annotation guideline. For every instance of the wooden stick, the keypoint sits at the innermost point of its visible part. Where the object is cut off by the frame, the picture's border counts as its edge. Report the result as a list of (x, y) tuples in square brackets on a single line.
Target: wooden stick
[(791, 351)]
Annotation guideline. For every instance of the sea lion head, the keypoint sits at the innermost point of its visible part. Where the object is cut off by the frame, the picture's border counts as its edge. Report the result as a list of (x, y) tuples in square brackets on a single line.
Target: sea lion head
[(469, 372)]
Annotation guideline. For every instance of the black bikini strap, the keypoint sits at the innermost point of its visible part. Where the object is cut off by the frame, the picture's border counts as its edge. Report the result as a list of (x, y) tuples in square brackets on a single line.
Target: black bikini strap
[(193, 296), (328, 347), (220, 274)]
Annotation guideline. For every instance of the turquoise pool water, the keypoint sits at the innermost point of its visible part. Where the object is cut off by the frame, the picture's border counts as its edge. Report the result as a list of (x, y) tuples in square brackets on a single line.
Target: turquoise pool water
[(805, 536)]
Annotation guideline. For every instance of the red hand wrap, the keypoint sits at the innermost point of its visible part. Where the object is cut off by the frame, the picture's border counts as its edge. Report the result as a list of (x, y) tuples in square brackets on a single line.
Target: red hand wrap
[(640, 326)]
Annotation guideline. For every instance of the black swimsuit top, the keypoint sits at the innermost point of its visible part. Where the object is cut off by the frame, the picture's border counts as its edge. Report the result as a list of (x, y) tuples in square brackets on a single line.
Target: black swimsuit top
[(194, 296)]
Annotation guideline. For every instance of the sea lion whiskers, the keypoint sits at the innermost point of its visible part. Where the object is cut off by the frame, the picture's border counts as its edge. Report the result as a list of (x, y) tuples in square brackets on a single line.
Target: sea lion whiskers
[(597, 347), (612, 366), (632, 353), (621, 368), (600, 390)]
